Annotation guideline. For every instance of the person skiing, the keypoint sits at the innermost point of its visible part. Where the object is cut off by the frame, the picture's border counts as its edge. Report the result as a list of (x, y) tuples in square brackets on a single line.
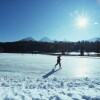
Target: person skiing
[(58, 61)]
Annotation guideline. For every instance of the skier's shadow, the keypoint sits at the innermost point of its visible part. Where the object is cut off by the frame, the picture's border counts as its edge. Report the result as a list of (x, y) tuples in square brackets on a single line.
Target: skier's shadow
[(50, 73)]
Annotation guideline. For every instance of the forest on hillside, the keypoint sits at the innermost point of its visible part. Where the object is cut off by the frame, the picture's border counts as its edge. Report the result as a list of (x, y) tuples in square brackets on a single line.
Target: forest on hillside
[(48, 47)]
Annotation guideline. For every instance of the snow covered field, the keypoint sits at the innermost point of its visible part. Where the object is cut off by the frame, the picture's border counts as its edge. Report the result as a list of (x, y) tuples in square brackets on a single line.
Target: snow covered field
[(30, 77)]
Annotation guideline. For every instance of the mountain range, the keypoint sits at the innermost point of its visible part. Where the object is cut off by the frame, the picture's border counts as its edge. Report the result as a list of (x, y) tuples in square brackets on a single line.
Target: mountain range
[(94, 39), (46, 39)]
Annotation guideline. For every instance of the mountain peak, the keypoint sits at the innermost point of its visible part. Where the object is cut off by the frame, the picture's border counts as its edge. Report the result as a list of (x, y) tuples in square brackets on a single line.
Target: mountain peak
[(28, 39), (45, 39), (95, 39)]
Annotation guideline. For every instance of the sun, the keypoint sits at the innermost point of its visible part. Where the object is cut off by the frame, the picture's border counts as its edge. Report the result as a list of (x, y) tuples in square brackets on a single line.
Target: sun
[(82, 22)]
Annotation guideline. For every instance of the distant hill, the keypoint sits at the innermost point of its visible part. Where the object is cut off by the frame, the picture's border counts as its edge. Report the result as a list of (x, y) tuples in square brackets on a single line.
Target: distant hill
[(94, 39), (28, 39), (46, 39)]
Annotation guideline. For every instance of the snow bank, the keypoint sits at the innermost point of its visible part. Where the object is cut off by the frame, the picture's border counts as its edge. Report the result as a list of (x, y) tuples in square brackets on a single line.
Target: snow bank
[(26, 88)]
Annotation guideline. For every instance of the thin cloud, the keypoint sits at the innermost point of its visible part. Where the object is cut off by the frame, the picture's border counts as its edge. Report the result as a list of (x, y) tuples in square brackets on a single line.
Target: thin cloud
[(71, 14), (74, 13), (96, 23)]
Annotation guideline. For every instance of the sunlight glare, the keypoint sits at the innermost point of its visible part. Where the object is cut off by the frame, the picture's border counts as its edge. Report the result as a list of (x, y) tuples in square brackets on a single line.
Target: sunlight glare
[(81, 71), (82, 22)]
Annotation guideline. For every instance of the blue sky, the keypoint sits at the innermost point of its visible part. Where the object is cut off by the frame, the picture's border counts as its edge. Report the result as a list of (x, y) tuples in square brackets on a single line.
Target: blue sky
[(56, 19)]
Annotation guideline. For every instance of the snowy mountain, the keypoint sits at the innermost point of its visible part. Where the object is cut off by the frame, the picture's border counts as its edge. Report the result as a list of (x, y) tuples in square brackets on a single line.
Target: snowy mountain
[(46, 39), (28, 39), (94, 39)]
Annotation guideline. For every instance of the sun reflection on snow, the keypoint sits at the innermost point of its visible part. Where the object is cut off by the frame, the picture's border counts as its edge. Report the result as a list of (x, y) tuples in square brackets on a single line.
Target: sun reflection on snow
[(81, 71), (82, 68)]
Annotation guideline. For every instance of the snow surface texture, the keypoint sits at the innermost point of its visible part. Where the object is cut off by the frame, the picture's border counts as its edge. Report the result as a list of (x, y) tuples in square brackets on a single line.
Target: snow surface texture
[(49, 89), (30, 77)]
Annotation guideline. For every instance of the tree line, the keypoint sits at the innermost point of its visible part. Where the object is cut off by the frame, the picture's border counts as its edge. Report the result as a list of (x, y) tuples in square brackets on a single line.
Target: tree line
[(49, 47)]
